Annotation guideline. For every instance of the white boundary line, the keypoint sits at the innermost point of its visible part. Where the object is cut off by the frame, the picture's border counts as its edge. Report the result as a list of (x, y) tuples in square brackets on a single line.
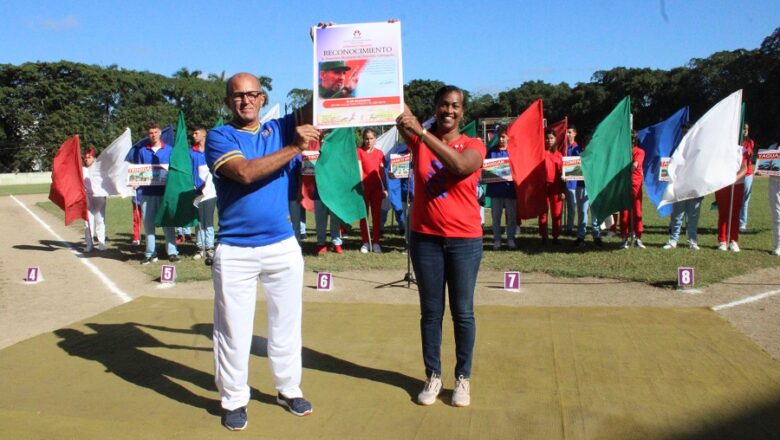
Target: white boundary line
[(106, 281), (747, 300)]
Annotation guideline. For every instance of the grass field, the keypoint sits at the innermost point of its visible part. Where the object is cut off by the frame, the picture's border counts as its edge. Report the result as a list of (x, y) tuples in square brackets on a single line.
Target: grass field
[(38, 188), (653, 265)]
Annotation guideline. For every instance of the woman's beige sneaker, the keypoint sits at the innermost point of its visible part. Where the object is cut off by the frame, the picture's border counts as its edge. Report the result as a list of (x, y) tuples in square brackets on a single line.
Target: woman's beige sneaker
[(461, 394), (430, 391)]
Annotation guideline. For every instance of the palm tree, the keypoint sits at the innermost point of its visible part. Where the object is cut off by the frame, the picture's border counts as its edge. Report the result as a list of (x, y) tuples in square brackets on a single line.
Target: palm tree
[(217, 78), (265, 82), (186, 73)]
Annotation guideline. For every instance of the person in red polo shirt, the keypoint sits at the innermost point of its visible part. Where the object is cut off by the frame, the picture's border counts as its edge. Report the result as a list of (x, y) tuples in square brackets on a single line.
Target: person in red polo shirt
[(372, 166), (446, 240), (728, 234), (638, 156), (553, 162)]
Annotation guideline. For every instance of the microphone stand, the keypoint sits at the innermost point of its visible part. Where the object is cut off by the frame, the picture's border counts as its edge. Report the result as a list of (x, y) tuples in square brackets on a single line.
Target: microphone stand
[(408, 276)]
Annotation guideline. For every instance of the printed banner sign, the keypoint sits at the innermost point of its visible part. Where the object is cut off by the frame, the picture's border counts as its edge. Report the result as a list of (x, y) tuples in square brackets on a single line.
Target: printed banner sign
[(309, 162), (358, 75), (146, 175), (572, 168), (768, 163), (496, 170), (399, 165), (663, 173)]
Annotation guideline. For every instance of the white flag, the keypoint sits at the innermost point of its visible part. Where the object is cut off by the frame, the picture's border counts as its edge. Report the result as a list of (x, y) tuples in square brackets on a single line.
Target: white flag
[(388, 141), (709, 155), (108, 175), (272, 113), (208, 192)]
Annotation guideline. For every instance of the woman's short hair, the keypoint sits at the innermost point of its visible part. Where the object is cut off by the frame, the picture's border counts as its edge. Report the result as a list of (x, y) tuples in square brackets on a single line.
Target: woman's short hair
[(446, 90)]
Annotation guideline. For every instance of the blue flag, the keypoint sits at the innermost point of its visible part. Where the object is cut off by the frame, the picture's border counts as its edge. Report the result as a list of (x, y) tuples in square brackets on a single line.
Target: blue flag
[(393, 187), (660, 140)]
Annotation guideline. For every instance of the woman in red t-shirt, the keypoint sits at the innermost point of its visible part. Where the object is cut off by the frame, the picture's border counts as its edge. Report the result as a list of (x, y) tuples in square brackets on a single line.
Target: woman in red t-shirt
[(446, 240), (372, 166)]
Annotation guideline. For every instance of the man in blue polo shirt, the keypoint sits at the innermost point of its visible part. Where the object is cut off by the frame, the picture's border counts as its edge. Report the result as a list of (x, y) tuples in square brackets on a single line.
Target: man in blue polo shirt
[(251, 165), (155, 153)]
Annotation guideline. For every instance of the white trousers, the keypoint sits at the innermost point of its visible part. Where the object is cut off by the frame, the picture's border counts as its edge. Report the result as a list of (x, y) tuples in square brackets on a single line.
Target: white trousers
[(774, 207), (96, 220), (235, 271)]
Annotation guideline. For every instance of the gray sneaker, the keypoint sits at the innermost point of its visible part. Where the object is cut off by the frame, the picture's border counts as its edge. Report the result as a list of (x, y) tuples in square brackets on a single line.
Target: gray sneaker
[(235, 420), (461, 394), (430, 391), (296, 405), (671, 244)]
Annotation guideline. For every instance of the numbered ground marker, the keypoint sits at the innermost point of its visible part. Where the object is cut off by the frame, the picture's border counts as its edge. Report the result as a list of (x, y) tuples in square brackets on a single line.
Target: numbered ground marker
[(34, 275), (168, 274), (512, 281), (685, 277), (324, 281)]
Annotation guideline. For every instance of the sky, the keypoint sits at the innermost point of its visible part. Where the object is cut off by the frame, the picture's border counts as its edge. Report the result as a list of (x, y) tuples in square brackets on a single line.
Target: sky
[(484, 47)]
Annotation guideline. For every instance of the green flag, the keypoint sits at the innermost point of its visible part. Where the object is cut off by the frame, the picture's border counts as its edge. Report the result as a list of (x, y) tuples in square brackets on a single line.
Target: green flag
[(338, 176), (492, 144), (742, 124), (470, 129), (606, 163), (176, 208)]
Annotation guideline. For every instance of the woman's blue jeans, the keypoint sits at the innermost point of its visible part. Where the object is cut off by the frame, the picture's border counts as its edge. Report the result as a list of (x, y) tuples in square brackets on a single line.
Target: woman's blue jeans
[(453, 263)]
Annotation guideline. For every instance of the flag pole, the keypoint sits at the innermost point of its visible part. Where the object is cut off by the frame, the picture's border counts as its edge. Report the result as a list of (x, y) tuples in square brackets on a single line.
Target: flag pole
[(632, 233), (731, 208)]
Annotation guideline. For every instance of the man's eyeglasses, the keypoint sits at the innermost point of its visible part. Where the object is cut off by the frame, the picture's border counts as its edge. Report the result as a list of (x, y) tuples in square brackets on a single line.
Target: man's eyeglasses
[(250, 96)]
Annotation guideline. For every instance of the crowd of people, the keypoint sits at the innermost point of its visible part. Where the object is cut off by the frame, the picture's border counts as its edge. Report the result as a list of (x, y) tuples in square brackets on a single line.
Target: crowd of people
[(567, 202), (256, 173)]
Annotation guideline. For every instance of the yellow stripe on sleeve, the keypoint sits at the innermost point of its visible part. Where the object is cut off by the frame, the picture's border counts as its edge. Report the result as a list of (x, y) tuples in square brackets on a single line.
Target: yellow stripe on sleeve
[(226, 157)]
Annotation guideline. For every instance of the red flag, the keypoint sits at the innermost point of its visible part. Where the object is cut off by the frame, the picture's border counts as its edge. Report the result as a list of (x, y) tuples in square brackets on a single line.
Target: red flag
[(308, 184), (67, 181), (308, 188), (559, 129), (526, 159)]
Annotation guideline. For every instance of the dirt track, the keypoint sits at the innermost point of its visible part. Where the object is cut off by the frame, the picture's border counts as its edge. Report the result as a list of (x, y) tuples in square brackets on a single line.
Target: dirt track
[(71, 292)]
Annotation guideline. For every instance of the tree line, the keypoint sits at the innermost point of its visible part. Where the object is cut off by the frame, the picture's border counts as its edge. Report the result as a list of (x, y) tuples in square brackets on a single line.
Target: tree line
[(42, 104)]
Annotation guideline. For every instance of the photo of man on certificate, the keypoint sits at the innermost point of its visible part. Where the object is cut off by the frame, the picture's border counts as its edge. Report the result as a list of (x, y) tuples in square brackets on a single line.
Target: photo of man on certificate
[(336, 80)]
